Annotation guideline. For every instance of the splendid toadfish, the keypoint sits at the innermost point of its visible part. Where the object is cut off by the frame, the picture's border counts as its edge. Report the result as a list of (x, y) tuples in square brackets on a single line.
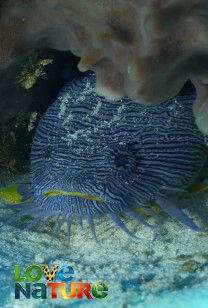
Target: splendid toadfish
[(93, 156)]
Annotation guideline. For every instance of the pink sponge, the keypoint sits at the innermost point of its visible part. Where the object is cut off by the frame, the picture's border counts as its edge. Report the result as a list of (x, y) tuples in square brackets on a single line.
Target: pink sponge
[(145, 49)]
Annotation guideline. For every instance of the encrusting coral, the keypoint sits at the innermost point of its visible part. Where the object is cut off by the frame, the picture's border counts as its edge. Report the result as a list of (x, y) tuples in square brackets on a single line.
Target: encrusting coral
[(145, 49), (31, 70)]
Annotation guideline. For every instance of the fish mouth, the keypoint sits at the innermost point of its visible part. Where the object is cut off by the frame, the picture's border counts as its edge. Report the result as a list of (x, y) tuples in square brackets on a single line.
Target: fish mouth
[(53, 193)]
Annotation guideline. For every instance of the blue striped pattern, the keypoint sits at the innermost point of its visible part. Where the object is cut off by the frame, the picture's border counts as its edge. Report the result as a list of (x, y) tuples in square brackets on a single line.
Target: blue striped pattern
[(127, 154)]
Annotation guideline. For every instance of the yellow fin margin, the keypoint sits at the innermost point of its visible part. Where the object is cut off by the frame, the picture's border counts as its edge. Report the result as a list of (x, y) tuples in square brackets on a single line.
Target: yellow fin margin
[(53, 193), (10, 194)]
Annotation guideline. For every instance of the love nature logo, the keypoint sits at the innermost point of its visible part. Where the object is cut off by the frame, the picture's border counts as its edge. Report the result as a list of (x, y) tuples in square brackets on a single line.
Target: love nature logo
[(34, 273)]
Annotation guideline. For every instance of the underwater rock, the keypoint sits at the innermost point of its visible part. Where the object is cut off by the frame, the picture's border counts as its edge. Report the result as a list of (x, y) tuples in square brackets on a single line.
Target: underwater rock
[(29, 86), (134, 47), (14, 149), (93, 156)]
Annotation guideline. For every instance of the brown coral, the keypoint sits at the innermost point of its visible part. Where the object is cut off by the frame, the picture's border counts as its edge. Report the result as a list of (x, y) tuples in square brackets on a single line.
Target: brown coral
[(146, 49)]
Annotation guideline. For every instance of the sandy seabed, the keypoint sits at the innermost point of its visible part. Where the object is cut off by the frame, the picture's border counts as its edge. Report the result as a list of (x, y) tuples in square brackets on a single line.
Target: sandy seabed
[(167, 267)]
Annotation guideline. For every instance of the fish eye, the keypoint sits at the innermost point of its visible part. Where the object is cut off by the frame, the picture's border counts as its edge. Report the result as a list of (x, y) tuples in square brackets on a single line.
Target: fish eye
[(121, 160), (123, 157), (48, 152)]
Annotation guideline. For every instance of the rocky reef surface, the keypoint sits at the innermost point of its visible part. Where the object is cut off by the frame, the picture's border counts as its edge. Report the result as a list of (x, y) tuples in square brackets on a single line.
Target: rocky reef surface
[(146, 50)]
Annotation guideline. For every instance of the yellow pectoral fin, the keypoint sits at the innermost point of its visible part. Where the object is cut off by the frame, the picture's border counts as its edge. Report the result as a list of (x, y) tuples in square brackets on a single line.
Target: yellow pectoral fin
[(153, 207), (53, 193), (10, 194), (139, 210)]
